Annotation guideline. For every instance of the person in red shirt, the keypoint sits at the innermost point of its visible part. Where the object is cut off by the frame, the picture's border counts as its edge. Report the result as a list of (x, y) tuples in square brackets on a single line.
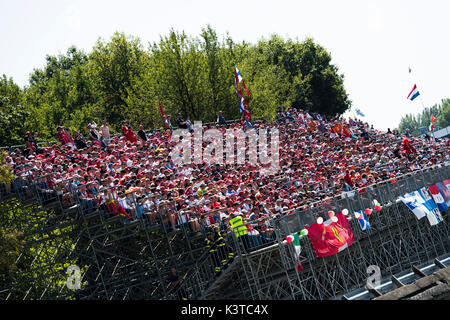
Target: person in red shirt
[(409, 148), (128, 133), (348, 178)]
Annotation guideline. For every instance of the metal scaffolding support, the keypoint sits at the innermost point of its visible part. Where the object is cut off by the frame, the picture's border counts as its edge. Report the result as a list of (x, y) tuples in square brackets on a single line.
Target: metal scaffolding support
[(395, 242), (120, 257), (126, 253)]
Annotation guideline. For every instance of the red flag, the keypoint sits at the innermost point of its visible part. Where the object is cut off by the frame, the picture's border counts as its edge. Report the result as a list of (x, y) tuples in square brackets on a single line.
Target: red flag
[(245, 87), (433, 118), (161, 109), (330, 238)]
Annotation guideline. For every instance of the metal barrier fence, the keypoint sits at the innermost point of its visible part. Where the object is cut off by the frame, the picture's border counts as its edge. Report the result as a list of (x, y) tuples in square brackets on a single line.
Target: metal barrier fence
[(133, 207), (385, 192), (395, 241)]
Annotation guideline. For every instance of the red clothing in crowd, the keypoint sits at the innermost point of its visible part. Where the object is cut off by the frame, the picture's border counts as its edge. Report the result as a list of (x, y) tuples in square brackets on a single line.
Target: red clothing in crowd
[(408, 147), (129, 134), (348, 179), (247, 115)]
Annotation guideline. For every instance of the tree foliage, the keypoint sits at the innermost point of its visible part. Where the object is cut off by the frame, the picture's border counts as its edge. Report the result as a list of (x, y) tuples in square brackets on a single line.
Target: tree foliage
[(33, 262), (443, 120), (12, 113), (6, 174), (120, 79), (418, 124)]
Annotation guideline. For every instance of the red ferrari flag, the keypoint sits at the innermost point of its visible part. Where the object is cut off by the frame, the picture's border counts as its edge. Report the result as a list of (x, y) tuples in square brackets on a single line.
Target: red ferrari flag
[(331, 236)]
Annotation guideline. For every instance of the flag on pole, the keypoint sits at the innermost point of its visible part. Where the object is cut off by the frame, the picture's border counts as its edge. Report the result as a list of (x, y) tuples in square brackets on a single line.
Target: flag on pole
[(438, 198), (433, 118), (413, 94), (237, 78), (431, 127), (237, 81), (444, 189), (358, 112), (434, 216), (161, 109), (362, 219)]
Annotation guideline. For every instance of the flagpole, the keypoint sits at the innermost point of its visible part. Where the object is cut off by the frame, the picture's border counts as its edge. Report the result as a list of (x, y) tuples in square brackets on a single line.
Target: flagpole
[(421, 101)]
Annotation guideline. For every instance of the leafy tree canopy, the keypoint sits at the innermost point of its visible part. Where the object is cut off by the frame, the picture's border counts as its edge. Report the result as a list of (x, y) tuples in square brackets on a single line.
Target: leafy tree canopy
[(418, 124), (122, 79)]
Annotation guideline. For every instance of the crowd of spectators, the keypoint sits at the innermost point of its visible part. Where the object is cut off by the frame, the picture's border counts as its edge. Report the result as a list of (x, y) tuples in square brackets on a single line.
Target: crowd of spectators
[(134, 176)]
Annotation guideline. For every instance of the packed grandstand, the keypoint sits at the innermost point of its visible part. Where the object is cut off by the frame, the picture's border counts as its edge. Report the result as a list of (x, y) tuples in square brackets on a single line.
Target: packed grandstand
[(135, 177)]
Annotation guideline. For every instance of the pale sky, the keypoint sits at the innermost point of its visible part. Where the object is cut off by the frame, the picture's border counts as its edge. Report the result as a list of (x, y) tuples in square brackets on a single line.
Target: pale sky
[(373, 43)]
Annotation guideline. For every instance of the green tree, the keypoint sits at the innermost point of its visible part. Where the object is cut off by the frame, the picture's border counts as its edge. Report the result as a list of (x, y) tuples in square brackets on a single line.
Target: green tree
[(443, 119), (60, 94), (113, 67), (120, 80), (179, 71), (315, 83), (6, 174), (419, 123), (12, 113)]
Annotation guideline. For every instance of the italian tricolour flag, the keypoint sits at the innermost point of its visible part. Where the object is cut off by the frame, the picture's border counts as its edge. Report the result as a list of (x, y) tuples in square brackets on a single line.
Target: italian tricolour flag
[(431, 127)]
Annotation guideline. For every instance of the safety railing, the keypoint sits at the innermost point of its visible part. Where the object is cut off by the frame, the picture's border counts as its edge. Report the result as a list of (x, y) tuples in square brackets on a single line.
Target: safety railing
[(131, 205), (384, 192), (24, 187), (45, 189)]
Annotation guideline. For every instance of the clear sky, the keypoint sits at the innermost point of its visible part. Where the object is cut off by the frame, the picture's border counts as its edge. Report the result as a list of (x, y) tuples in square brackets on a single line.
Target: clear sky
[(373, 43)]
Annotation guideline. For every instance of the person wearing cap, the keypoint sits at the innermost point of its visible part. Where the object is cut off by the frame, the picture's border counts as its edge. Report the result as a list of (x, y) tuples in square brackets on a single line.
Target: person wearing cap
[(93, 133)]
